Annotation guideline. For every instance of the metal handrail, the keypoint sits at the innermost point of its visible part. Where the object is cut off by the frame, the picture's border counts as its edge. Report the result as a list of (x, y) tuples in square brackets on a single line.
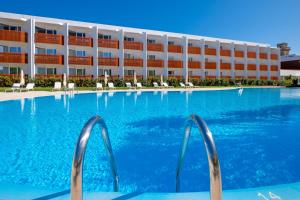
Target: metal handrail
[(76, 176), (212, 156)]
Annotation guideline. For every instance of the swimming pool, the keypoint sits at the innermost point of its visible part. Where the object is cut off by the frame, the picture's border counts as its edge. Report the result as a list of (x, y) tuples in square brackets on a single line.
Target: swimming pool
[(256, 133)]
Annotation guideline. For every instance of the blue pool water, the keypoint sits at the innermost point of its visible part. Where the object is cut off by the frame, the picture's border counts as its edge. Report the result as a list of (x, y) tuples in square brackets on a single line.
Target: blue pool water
[(257, 137)]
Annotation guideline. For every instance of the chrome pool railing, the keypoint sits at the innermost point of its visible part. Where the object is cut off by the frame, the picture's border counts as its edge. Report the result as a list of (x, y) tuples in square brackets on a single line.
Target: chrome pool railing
[(212, 156), (78, 158)]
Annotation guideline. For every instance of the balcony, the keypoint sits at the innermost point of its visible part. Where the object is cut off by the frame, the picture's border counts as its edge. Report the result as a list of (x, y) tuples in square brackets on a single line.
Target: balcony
[(155, 47), (263, 56), (274, 57), (239, 66), (133, 62), (106, 43), (155, 63), (131, 77), (177, 77), (252, 77), (251, 67), (81, 41), (80, 77), (194, 50), (263, 67), (49, 59), (274, 68), (49, 38), (210, 77), (194, 65), (17, 36), (225, 66), (108, 61), (6, 57), (274, 78), (225, 52), (210, 51), (77, 60), (175, 64), (210, 65), (133, 45), (263, 78), (251, 54), (174, 48), (239, 54), (58, 76)]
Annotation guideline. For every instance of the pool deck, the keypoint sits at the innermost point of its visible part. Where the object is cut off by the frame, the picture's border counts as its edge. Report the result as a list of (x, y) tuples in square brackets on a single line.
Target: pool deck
[(32, 94)]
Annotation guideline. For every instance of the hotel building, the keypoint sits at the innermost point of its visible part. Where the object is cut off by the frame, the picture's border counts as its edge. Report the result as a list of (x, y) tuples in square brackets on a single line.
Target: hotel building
[(50, 47)]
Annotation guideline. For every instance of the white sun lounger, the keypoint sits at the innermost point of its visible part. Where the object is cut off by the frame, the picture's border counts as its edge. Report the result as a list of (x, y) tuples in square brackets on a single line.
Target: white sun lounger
[(99, 86), (139, 85), (190, 84), (182, 84), (57, 86), (111, 85), (155, 84), (71, 86), (164, 84), (15, 86), (128, 85), (28, 87)]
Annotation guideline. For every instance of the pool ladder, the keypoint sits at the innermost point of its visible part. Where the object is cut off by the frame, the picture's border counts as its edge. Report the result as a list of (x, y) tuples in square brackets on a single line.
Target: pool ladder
[(211, 151)]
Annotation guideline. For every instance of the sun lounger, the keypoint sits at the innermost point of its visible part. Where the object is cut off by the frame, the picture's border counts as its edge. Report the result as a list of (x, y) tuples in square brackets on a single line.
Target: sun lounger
[(28, 87), (111, 85), (155, 84), (182, 84), (99, 86), (190, 84), (57, 86), (128, 85), (71, 86), (15, 86), (139, 85)]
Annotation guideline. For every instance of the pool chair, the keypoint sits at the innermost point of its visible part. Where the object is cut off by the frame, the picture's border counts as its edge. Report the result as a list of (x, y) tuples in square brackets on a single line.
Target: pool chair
[(57, 86), (182, 84), (111, 85), (128, 85), (190, 84), (28, 87), (15, 86), (71, 87), (99, 86), (139, 85), (155, 84), (165, 84)]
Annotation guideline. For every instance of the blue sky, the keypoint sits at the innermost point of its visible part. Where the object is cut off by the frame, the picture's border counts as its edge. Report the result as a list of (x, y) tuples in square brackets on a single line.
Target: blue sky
[(266, 21)]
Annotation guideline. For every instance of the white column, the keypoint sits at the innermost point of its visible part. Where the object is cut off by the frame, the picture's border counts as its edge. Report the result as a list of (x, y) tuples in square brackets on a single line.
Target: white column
[(269, 62), (257, 63), (232, 67), (185, 72), (121, 53), (145, 56), (165, 41), (218, 58), (245, 60), (30, 47), (66, 49), (95, 52), (202, 58)]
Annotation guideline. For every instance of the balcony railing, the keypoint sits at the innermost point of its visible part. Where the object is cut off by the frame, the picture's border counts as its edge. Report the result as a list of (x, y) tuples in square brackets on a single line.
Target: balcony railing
[(58, 76), (210, 77), (251, 54), (155, 63), (108, 61), (6, 57), (106, 43), (177, 77), (252, 77), (174, 48), (175, 64), (225, 52), (239, 54), (76, 60), (226, 66), (155, 47), (85, 77), (238, 66), (49, 38), (210, 51), (274, 68), (133, 45), (210, 65), (194, 64), (194, 50), (17, 36), (195, 77), (131, 77), (274, 56), (251, 67), (133, 62), (81, 41), (263, 56), (263, 67), (263, 78), (274, 78), (49, 59)]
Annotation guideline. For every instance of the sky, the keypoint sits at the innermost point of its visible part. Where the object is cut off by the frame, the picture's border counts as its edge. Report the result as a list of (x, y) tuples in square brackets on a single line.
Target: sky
[(263, 21)]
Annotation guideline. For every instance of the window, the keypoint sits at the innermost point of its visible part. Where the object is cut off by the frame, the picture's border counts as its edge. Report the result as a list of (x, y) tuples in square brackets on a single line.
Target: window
[(80, 72), (105, 54), (77, 53), (77, 34), (151, 57), (128, 56), (106, 37), (4, 70), (72, 71), (170, 58), (51, 32), (171, 73), (150, 41), (151, 72), (206, 46), (7, 27), (3, 48), (14, 70), (41, 70), (45, 51), (206, 73), (129, 39), (190, 73), (101, 72), (190, 44), (42, 30), (15, 49), (128, 72), (171, 42), (190, 59), (51, 51), (51, 70)]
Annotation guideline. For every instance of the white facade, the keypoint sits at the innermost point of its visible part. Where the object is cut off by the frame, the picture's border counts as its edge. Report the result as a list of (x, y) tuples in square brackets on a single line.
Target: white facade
[(56, 46)]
